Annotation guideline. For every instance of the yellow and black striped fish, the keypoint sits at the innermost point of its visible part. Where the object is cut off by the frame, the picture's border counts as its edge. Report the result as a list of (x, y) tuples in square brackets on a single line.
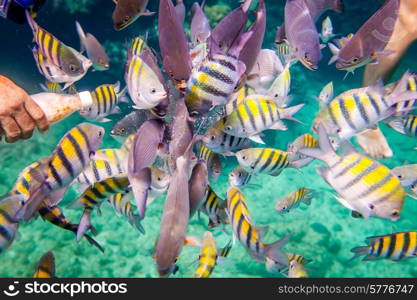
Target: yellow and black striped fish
[(95, 195), (137, 45), (239, 177), (406, 125), (23, 182), (298, 258), (57, 52), (9, 206), (212, 84), (264, 160), (250, 236), (108, 163), (54, 215), (220, 142), (46, 266), (357, 110), (106, 97), (294, 199), (212, 159), (396, 246), (72, 155), (256, 114), (55, 173), (122, 206), (98, 192), (209, 256), (364, 185), (215, 208), (304, 141)]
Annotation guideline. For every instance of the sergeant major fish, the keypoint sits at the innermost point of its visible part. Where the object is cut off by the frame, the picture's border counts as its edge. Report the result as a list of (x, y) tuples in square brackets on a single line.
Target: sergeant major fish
[(46, 266), (395, 247), (106, 97), (364, 185), (250, 236), (293, 200), (55, 173)]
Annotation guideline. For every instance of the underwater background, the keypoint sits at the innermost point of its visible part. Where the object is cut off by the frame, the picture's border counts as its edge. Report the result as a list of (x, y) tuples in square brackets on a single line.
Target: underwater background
[(324, 231)]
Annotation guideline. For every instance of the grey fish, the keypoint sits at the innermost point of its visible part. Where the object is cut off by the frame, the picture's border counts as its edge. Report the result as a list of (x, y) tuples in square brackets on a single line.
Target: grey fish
[(181, 131), (318, 7), (173, 44), (250, 51), (200, 25), (231, 26), (130, 123), (180, 9), (301, 33), (197, 186), (128, 11), (369, 41), (175, 217), (95, 50)]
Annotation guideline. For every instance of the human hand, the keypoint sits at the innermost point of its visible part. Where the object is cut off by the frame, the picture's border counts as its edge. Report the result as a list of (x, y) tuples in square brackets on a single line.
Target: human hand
[(19, 114)]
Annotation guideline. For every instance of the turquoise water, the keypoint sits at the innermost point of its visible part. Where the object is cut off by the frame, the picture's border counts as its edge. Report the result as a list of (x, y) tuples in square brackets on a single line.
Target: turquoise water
[(324, 232)]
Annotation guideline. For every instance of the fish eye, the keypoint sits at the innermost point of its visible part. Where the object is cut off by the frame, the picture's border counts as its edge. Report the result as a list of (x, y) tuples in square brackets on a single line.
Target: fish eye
[(228, 128), (90, 109), (122, 130), (413, 186), (239, 174), (244, 157), (355, 59), (159, 178), (100, 133), (284, 208), (153, 91), (400, 176), (371, 206), (212, 137), (72, 68), (395, 213), (126, 19)]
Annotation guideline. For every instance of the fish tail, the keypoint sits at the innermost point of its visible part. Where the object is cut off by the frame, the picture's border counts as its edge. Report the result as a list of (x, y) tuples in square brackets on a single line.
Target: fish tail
[(85, 224), (287, 113), (359, 251), (135, 221), (400, 92), (397, 124), (93, 242), (335, 51), (326, 152), (273, 251)]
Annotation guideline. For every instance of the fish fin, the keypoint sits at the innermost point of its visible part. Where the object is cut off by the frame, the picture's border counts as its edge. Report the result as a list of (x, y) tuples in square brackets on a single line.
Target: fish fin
[(412, 195), (359, 251), (123, 95), (344, 203), (307, 199), (379, 54), (257, 139), (103, 120), (85, 224), (147, 13), (135, 221), (116, 110), (224, 252), (322, 46), (93, 242), (67, 85), (287, 113), (240, 43), (141, 195), (262, 231), (192, 241), (279, 125), (335, 51), (273, 251), (241, 68), (300, 163), (81, 35), (325, 152), (397, 124), (56, 196)]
